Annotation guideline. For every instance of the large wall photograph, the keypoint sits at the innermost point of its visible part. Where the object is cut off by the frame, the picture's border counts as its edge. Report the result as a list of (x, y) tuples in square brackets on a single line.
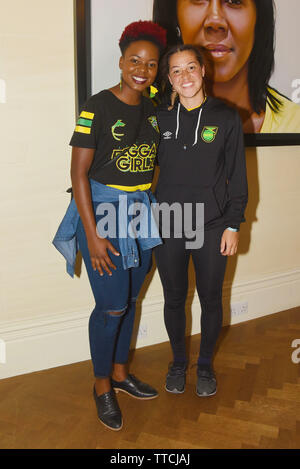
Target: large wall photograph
[(249, 49)]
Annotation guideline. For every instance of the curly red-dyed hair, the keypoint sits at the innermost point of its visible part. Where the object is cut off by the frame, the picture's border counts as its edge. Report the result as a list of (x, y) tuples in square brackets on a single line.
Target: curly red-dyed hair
[(143, 30)]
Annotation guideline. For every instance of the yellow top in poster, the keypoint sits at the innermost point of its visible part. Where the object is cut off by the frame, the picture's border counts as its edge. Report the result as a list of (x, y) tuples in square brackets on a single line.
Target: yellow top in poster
[(287, 120)]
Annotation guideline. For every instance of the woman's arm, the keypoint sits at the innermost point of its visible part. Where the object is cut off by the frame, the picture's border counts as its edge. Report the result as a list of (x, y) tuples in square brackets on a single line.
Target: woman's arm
[(81, 161), (236, 174)]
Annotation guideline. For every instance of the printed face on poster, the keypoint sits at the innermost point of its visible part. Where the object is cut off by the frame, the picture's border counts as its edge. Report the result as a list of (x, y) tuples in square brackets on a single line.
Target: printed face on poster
[(250, 50)]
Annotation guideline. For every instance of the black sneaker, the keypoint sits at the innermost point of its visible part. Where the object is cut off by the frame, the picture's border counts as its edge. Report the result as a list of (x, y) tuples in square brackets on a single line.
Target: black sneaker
[(175, 381), (206, 383)]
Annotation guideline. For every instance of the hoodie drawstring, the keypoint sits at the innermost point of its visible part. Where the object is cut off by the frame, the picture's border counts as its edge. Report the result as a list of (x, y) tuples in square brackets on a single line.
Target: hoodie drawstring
[(177, 127), (197, 127)]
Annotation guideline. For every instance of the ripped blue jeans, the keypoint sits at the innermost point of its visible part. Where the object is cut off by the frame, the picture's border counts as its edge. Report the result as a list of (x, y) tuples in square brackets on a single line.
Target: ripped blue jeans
[(110, 335)]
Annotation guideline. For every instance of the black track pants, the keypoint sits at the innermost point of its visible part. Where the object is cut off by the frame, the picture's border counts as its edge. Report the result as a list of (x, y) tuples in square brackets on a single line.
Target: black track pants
[(172, 259)]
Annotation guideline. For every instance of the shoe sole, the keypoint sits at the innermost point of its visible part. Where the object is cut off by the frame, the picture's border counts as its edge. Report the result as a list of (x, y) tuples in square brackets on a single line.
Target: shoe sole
[(110, 428), (175, 391), (135, 397), (206, 395)]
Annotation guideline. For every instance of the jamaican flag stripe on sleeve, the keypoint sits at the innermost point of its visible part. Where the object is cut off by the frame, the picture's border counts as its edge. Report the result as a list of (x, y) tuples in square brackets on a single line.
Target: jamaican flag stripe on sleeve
[(82, 130), (85, 122), (87, 115)]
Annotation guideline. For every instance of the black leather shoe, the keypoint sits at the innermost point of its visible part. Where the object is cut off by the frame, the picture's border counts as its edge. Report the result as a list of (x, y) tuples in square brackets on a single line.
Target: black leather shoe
[(135, 388), (108, 409)]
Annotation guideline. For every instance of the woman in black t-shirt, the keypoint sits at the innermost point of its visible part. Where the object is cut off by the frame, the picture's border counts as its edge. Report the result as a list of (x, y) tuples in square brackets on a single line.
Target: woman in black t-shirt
[(114, 145)]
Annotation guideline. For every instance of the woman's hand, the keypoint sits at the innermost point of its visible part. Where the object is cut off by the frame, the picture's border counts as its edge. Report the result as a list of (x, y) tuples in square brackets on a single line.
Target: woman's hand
[(99, 256), (229, 243)]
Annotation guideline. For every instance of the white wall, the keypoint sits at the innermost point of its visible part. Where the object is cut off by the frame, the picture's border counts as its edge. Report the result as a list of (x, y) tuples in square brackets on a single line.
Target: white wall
[(36, 122)]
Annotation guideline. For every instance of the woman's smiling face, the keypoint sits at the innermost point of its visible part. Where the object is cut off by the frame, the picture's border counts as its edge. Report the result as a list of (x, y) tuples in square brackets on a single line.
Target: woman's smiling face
[(186, 74), (225, 30), (139, 65)]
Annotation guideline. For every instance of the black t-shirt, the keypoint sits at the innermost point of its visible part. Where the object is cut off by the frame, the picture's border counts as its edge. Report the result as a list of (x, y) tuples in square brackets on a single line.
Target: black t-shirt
[(125, 139)]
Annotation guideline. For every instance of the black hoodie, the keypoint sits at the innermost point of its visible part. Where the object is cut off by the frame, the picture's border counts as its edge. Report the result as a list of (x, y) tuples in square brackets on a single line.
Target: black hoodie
[(202, 159)]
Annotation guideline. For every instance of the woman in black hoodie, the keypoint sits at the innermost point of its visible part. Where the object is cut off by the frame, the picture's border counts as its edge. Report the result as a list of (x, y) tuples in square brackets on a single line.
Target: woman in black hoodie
[(202, 165)]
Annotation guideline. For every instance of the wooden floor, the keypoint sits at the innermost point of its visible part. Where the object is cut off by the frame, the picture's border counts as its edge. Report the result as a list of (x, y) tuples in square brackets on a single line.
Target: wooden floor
[(257, 404)]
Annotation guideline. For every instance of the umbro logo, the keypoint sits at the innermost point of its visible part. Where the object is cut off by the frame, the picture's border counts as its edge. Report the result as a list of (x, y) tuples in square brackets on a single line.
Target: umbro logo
[(167, 135)]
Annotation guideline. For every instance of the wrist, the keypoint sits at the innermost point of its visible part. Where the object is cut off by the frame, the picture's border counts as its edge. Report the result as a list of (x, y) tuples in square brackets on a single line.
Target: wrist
[(92, 234)]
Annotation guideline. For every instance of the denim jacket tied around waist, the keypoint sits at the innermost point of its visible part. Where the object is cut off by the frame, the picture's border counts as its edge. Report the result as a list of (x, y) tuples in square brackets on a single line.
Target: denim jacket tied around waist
[(66, 241)]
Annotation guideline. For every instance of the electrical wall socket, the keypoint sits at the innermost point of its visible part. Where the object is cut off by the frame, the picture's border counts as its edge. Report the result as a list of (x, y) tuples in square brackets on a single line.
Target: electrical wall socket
[(238, 309), (142, 331)]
